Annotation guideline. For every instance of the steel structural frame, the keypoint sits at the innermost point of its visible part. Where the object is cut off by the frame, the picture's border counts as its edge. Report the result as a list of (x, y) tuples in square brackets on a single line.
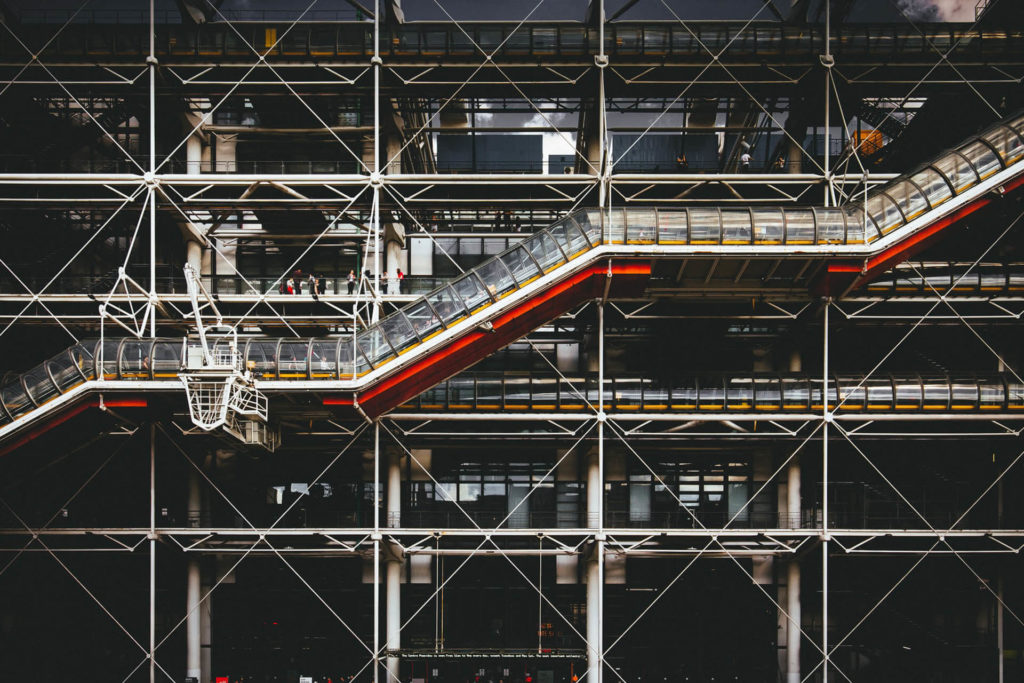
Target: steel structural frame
[(113, 189)]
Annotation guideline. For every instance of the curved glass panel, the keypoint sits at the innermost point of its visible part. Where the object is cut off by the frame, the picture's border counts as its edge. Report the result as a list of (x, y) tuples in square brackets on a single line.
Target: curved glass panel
[(496, 278), (292, 360), (522, 267), (908, 394), (590, 228), (323, 359), (424, 321), (739, 394), (859, 228), (769, 227), (831, 226), (346, 350), (1014, 394), (964, 394), (672, 227), (561, 233), (957, 170), (936, 394), (15, 399), (799, 226), (705, 226), (399, 331), (578, 242), (543, 248), (374, 346), (736, 226), (712, 394), (109, 355), (933, 185), (884, 212), (64, 371), (40, 387), (985, 161), (795, 394), (910, 200), (471, 291), (616, 223), (767, 393), (879, 394), (447, 304), (991, 395), (135, 360), (1007, 143), (642, 226), (261, 357), (166, 359)]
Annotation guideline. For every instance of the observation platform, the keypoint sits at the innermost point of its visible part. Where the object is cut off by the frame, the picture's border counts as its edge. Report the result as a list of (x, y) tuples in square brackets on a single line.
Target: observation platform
[(588, 254)]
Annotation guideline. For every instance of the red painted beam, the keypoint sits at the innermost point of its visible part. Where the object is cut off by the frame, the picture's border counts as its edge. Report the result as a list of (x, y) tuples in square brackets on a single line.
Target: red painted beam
[(843, 276), (61, 417), (450, 359)]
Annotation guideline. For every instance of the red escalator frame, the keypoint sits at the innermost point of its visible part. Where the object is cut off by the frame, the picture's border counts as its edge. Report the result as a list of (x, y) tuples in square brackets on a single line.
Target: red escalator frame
[(627, 278)]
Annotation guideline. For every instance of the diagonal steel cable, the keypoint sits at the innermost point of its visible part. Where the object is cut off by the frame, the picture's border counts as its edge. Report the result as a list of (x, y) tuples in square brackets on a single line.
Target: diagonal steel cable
[(931, 528), (840, 401), (41, 50), (123, 204), (205, 118), (742, 87)]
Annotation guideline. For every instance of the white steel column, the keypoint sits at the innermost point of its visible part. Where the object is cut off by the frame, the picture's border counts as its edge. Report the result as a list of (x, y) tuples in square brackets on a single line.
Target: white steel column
[(827, 418), (376, 551), (149, 176), (152, 552), (193, 591), (393, 592), (595, 520), (794, 623)]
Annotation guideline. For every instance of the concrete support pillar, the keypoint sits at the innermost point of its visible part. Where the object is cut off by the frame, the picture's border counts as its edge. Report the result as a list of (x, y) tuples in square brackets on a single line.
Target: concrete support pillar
[(393, 573), (793, 493), (793, 625), (193, 155), (193, 589), (595, 489)]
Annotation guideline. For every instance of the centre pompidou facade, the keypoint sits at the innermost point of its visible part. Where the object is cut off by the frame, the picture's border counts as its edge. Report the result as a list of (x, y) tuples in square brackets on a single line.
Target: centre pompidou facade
[(614, 341)]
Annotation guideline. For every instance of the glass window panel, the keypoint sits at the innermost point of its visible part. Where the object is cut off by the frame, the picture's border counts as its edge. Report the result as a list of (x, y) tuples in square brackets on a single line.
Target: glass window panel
[(496, 278), (858, 225), (521, 266), (399, 331), (933, 185), (590, 228), (768, 226), (292, 363), (488, 393), (735, 226), (578, 241), (543, 248), (831, 226), (545, 393), (795, 394), (135, 360), (1014, 394), (740, 394), (964, 394), (671, 226), (460, 393), (64, 371), (884, 212), (985, 161), (958, 172), (767, 393), (15, 399), (82, 354), (879, 393), (109, 356), (39, 385), (991, 395), (712, 395), (517, 392), (345, 353), (1007, 143), (166, 359), (908, 198), (374, 346), (852, 393), (471, 291), (323, 359), (560, 231), (684, 395), (936, 394), (261, 357), (617, 226), (799, 226), (642, 224), (447, 304), (705, 226), (422, 317)]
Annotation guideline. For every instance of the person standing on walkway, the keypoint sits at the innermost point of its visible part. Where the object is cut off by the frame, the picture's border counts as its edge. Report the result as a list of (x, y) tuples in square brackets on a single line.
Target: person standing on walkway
[(351, 282)]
